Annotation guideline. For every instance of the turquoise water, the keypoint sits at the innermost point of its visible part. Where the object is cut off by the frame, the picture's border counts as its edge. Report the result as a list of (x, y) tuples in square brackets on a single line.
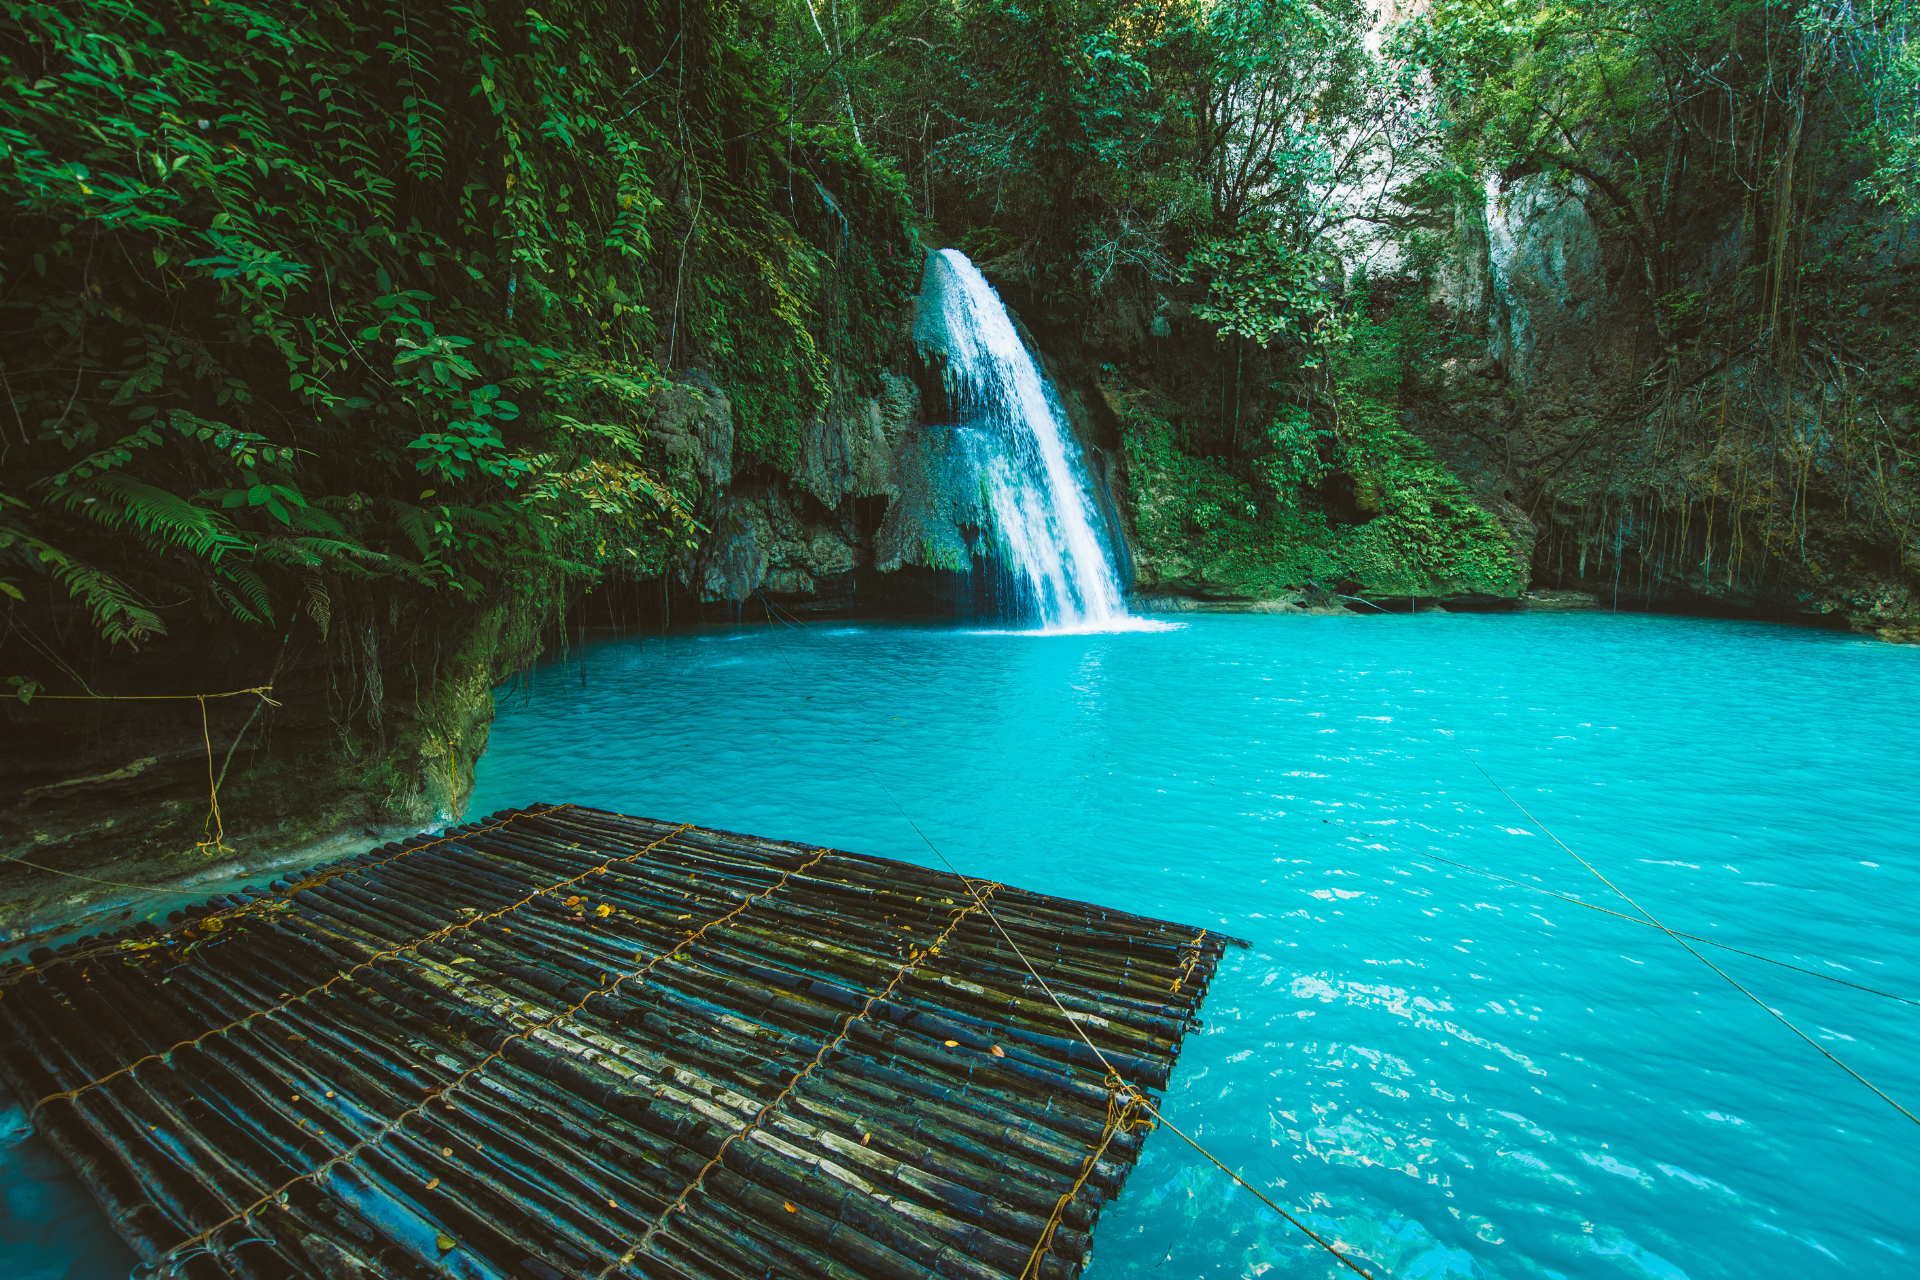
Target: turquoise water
[(1459, 1076), (1456, 1075), (50, 1228)]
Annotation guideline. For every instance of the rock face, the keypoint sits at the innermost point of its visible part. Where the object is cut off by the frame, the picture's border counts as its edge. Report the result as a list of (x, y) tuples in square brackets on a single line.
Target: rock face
[(1663, 456), (693, 421), (938, 513), (1556, 296), (883, 508), (806, 536), (373, 727)]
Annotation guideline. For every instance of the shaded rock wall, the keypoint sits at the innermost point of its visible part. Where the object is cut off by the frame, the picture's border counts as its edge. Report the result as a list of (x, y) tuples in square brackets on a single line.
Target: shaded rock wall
[(1675, 460), (378, 724)]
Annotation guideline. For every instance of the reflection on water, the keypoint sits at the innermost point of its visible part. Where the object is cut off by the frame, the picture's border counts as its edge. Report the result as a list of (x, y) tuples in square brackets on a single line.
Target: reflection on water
[(1450, 1073), (1456, 1075), (50, 1229)]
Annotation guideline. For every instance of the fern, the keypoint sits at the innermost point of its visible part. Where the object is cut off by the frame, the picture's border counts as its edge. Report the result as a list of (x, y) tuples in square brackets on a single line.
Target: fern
[(116, 615), (228, 218), (250, 585), (161, 518)]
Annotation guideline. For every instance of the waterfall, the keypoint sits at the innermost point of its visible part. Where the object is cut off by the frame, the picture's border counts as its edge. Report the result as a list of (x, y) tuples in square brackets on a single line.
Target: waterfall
[(1031, 469)]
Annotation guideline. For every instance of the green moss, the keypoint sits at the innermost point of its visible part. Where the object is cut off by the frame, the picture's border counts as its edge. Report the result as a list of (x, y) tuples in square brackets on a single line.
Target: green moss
[(1417, 529)]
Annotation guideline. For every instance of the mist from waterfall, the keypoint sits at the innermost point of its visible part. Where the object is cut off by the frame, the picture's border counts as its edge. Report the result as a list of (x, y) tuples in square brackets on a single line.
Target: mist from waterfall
[(1032, 471)]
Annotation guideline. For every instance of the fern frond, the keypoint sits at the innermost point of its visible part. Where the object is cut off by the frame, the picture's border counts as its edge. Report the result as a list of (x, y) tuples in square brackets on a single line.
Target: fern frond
[(253, 588), (161, 518), (258, 606), (116, 615), (414, 524), (299, 550), (319, 604), (233, 602), (313, 520)]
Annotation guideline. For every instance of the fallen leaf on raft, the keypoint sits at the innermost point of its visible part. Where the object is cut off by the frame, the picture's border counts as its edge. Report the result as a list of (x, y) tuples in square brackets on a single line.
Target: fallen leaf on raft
[(603, 911), (865, 1138), (996, 1051), (953, 1044), (445, 1242), (791, 1206), (296, 1037), (433, 1184), (574, 901), (685, 917), (446, 1151)]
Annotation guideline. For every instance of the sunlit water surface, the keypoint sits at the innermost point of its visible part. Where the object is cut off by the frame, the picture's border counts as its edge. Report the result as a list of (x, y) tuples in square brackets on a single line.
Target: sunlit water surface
[(1452, 1074)]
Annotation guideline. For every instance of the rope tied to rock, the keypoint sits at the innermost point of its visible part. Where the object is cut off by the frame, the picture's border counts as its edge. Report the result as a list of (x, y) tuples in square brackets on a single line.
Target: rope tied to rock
[(214, 822)]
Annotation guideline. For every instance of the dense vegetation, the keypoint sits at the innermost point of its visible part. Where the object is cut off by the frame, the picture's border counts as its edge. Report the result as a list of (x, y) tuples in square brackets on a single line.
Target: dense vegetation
[(1756, 162), (1231, 175), (359, 307), (1207, 185)]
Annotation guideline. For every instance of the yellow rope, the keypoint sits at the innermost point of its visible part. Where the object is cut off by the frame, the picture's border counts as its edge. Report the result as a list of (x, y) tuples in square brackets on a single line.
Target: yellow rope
[(1118, 1117), (460, 1080), (680, 1203), (260, 689), (214, 821), (1193, 958), (219, 842), (1781, 1018), (118, 884), (1135, 1091), (443, 932), (1078, 1030)]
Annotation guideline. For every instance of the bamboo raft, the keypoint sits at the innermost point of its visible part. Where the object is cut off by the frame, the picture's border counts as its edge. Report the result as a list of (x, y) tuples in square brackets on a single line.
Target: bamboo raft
[(562, 1042)]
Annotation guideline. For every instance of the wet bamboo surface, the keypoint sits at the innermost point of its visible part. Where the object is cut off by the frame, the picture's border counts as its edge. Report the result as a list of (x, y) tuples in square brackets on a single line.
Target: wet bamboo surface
[(561, 1042)]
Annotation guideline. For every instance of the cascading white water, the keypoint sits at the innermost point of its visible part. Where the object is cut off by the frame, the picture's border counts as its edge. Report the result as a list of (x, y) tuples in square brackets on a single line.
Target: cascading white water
[(1036, 478)]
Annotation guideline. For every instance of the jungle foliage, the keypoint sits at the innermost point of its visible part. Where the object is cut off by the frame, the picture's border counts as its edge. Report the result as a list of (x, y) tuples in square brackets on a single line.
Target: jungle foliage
[(1760, 163), (307, 303), (1198, 182), (313, 299), (1195, 181)]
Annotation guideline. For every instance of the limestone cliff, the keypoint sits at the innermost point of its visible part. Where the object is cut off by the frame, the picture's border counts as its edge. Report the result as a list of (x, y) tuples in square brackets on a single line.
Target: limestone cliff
[(1673, 452)]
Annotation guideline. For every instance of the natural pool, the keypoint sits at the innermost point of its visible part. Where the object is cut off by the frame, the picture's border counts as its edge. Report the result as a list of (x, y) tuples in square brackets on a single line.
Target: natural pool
[(1453, 1073)]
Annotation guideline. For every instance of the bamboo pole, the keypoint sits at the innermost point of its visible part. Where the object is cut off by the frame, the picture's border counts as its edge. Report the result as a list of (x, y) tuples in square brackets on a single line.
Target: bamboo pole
[(526, 1038)]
